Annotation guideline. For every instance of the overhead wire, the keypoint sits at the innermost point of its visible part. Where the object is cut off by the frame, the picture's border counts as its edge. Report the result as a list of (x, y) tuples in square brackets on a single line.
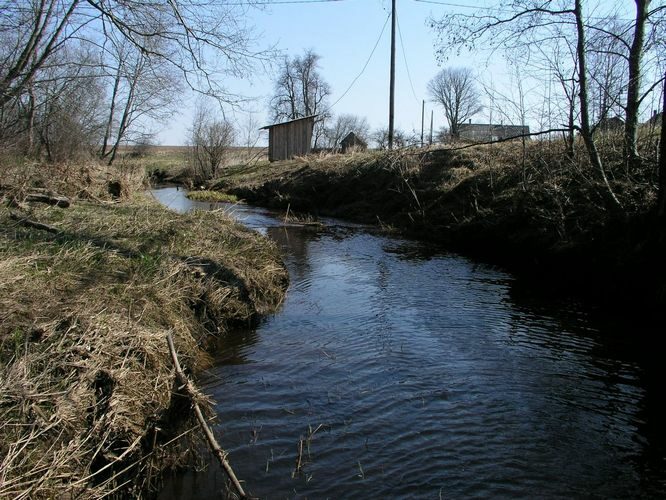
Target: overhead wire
[(404, 56), (271, 2), (364, 66)]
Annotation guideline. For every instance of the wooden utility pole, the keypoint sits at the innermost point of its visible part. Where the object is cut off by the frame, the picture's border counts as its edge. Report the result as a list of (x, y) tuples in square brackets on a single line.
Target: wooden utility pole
[(392, 82), (422, 120), (432, 119)]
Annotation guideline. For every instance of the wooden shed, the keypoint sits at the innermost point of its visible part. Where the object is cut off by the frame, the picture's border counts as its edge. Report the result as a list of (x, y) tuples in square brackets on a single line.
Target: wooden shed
[(353, 142), (289, 139)]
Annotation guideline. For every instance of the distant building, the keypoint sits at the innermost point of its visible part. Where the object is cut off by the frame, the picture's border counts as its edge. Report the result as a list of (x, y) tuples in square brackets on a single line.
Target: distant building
[(655, 119), (289, 139), (352, 142), (486, 132), (613, 124)]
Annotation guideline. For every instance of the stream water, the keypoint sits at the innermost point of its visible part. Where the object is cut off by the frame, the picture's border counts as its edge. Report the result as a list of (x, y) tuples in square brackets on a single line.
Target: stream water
[(403, 371)]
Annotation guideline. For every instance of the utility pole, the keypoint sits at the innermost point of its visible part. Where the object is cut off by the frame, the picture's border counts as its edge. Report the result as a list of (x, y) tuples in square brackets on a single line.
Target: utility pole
[(422, 120), (392, 82), (432, 119)]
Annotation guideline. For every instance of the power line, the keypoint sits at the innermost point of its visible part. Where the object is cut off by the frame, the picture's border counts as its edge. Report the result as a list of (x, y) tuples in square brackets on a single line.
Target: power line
[(273, 2), (448, 4), (404, 56), (499, 9), (364, 66)]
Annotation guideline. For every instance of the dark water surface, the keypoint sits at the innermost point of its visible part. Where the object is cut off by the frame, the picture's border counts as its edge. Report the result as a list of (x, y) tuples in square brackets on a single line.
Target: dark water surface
[(411, 373)]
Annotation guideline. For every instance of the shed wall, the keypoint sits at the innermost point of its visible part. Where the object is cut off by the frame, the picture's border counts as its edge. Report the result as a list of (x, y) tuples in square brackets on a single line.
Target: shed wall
[(290, 139)]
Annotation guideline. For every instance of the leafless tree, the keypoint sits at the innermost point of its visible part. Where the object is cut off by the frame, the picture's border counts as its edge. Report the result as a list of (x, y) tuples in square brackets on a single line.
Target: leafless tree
[(400, 138), (529, 26), (202, 41), (607, 62), (300, 91), (455, 91), (210, 139), (58, 117), (520, 26), (339, 126), (142, 88), (249, 133), (188, 31)]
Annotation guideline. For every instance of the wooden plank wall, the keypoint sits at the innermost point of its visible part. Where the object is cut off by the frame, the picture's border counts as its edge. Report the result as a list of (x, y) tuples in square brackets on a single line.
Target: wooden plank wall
[(290, 139)]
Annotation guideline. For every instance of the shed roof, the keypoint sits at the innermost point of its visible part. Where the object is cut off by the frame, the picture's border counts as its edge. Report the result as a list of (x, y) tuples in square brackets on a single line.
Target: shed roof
[(287, 122), (352, 138)]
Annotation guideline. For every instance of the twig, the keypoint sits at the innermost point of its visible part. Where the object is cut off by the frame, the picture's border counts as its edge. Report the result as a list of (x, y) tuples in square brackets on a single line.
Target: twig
[(286, 215), (210, 437), (299, 460)]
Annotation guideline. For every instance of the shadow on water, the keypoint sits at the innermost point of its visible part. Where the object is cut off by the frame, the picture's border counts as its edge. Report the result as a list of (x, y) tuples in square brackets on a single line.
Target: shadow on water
[(409, 372)]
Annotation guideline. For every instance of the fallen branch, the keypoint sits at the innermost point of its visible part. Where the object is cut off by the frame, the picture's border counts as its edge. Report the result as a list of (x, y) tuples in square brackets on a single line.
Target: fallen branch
[(212, 442), (55, 200), (23, 221)]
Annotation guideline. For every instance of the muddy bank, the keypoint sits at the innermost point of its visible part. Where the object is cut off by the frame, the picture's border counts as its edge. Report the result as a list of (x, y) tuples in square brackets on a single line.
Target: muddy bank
[(532, 209), (89, 405)]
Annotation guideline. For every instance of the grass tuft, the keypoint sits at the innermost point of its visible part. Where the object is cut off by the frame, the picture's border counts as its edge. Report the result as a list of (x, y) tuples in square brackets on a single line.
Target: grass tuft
[(212, 196)]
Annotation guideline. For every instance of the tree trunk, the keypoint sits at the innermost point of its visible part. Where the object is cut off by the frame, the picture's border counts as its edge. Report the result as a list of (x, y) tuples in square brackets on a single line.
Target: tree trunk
[(127, 112), (112, 111), (586, 131), (661, 199), (634, 85)]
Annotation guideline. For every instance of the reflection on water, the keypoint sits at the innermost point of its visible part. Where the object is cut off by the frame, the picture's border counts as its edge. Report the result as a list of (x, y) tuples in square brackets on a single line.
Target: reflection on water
[(426, 375)]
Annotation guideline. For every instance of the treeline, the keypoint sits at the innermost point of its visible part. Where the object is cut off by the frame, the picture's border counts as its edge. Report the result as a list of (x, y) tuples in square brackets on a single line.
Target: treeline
[(598, 62), (83, 77)]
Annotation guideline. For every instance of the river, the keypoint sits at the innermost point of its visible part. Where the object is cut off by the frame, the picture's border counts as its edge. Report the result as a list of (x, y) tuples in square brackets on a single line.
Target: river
[(403, 371)]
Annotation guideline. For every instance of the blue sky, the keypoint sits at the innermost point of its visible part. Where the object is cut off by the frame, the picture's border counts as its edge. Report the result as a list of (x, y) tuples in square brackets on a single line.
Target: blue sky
[(343, 33)]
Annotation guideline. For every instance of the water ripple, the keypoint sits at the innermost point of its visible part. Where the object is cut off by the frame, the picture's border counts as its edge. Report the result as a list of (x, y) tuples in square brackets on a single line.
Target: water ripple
[(424, 378)]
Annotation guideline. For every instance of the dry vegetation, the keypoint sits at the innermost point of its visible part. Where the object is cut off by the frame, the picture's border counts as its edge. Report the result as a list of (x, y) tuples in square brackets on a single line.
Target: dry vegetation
[(450, 187), (89, 406), (502, 201), (171, 163), (212, 196)]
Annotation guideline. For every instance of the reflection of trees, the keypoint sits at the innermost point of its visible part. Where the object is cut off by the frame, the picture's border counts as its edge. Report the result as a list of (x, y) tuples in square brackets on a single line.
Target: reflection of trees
[(294, 242), (607, 366), (230, 348)]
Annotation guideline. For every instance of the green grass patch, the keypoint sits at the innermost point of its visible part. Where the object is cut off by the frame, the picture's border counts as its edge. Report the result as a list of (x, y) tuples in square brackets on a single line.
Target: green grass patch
[(212, 196)]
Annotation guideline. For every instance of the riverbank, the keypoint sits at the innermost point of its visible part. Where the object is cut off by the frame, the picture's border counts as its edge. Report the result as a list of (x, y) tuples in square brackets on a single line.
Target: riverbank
[(530, 208), (89, 403)]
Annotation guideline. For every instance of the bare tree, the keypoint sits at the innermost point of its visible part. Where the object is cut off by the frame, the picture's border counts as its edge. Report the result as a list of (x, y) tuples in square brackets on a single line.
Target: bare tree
[(249, 131), (400, 138), (455, 91), (67, 122), (607, 63), (210, 140), (661, 198), (301, 91), (527, 24), (202, 41), (522, 27), (339, 126), (634, 82), (142, 88)]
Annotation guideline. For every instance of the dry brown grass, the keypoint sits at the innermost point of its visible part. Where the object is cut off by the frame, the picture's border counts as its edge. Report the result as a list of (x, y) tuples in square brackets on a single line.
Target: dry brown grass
[(533, 191), (77, 180), (88, 406)]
